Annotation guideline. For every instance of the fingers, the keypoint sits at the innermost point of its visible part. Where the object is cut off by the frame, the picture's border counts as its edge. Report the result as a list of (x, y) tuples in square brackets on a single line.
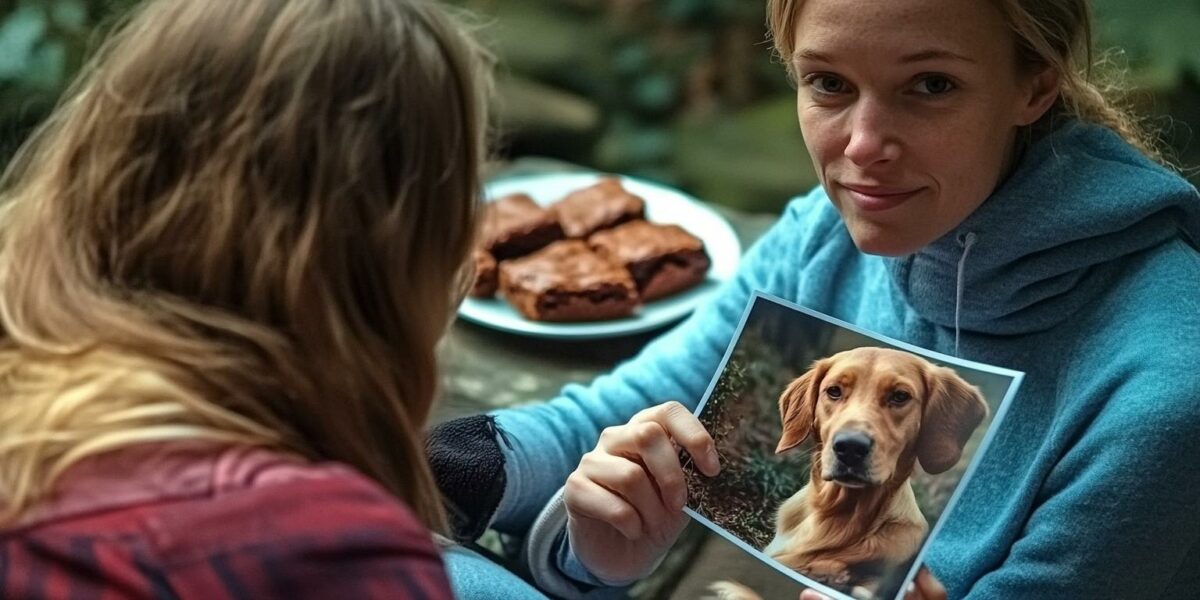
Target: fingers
[(629, 481), (928, 585), (633, 480), (587, 499), (661, 460), (925, 587), (686, 430)]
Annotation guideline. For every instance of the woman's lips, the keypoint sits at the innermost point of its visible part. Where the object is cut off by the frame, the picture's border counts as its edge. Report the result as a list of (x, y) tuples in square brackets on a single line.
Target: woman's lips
[(876, 198)]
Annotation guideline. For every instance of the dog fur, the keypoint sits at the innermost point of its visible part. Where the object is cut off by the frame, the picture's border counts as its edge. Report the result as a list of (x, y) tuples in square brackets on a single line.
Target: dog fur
[(857, 518)]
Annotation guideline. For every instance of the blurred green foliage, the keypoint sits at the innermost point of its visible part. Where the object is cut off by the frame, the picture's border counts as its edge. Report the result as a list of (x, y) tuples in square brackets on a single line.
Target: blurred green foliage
[(687, 91), (43, 43), (680, 91)]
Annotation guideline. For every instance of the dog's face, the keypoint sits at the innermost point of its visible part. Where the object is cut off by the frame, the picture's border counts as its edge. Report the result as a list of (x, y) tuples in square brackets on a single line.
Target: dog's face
[(875, 409)]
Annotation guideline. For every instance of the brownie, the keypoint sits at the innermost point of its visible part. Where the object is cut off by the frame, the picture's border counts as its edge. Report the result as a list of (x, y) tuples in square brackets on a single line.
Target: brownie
[(515, 225), (567, 281), (599, 206), (663, 259), (487, 277)]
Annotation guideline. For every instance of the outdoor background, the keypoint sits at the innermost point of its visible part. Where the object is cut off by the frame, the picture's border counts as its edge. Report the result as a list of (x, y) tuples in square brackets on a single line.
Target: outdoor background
[(776, 345), (684, 92)]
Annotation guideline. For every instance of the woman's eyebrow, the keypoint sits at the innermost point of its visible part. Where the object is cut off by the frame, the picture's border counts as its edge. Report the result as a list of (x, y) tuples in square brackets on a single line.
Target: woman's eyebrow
[(931, 54), (809, 54)]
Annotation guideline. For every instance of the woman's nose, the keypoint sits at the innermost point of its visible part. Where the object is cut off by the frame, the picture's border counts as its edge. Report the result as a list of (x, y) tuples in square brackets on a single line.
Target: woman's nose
[(872, 136)]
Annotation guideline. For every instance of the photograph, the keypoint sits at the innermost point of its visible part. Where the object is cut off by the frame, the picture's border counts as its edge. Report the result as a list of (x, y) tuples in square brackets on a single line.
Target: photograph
[(841, 450)]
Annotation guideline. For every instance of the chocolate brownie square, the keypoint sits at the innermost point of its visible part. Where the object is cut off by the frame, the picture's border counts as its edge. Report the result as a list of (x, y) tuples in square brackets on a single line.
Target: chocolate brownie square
[(599, 206), (515, 225), (663, 259), (566, 281), (487, 276)]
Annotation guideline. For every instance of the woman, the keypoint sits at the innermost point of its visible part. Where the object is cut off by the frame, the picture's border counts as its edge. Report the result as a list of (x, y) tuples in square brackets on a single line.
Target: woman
[(979, 197), (225, 263)]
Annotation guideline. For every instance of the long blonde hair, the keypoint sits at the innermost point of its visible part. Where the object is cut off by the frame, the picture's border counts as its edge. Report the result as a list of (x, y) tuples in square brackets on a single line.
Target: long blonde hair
[(247, 223), (1049, 33)]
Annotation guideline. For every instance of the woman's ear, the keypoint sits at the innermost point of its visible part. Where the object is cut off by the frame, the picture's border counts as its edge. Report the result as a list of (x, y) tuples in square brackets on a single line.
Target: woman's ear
[(798, 406), (952, 412), (1041, 90)]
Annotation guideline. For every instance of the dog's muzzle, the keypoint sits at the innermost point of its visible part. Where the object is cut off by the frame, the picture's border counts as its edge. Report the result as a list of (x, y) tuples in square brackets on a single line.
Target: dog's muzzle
[(851, 448)]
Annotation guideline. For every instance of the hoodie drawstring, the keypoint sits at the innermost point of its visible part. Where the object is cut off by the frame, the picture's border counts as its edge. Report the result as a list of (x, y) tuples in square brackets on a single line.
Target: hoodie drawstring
[(966, 241)]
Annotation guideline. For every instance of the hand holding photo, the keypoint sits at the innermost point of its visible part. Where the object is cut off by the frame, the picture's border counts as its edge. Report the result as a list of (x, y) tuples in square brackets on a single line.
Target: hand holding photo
[(842, 450)]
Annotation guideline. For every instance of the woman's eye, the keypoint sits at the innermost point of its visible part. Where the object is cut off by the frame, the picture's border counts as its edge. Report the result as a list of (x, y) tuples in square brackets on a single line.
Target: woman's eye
[(827, 84), (935, 85), (834, 392), (899, 397)]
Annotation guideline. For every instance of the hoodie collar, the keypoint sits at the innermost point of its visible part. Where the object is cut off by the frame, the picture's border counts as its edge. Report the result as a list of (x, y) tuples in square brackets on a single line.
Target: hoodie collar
[(1048, 238)]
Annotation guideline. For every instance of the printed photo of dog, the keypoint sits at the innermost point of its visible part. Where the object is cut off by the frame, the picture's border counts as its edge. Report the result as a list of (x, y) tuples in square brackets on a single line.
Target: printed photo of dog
[(873, 428)]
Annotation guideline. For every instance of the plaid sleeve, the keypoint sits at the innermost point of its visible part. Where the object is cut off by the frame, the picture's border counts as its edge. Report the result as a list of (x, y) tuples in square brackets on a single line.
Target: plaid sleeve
[(335, 537), (356, 564), (331, 538)]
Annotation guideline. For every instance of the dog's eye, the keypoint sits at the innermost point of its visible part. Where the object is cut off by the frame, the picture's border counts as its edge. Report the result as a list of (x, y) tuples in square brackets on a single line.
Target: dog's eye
[(899, 397), (834, 392)]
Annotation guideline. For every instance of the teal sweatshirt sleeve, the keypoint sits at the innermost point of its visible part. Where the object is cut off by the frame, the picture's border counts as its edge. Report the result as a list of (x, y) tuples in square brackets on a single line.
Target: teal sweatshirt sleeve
[(547, 440)]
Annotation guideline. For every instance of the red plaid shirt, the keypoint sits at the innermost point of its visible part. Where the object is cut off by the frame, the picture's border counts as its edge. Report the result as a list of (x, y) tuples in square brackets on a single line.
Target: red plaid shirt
[(211, 523)]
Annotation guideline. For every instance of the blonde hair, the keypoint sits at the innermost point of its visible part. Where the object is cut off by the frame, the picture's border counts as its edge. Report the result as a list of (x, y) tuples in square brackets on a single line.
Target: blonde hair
[(248, 224), (1049, 33)]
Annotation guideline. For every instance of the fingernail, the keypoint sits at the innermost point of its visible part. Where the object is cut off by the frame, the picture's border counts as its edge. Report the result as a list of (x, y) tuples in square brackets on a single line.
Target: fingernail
[(714, 460)]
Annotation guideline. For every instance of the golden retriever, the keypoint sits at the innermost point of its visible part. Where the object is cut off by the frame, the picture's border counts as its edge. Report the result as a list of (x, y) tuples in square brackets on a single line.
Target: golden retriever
[(873, 413)]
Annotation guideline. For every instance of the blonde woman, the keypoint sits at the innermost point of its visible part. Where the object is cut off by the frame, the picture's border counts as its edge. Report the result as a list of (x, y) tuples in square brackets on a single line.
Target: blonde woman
[(224, 265), (980, 196)]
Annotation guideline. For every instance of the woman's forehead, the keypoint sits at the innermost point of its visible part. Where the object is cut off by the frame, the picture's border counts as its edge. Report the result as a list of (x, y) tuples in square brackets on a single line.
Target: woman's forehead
[(843, 30)]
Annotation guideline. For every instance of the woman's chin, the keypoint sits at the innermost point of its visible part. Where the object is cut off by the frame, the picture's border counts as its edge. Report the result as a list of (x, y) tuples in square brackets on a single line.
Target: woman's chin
[(881, 243)]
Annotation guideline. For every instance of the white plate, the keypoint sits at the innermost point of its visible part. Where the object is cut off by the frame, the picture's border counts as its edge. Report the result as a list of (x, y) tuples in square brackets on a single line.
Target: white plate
[(663, 205)]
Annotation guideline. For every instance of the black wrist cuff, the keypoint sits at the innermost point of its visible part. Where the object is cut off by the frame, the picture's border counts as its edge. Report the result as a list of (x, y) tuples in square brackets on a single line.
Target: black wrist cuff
[(468, 464)]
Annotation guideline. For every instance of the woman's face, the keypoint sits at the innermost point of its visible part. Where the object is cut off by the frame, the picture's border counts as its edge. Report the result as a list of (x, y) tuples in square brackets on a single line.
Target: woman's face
[(909, 109)]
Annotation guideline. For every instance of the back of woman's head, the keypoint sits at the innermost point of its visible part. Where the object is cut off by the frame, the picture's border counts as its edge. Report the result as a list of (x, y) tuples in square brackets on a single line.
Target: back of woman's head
[(247, 223), (1055, 34)]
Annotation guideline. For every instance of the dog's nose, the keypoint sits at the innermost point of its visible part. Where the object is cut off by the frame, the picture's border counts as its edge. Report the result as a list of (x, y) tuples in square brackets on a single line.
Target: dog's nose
[(851, 447)]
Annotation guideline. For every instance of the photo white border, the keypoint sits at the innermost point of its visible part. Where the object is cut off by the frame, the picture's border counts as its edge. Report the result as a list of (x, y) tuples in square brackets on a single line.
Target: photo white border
[(1001, 412)]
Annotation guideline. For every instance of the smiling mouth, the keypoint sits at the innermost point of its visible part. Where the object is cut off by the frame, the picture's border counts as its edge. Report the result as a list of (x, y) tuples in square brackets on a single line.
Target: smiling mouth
[(878, 198)]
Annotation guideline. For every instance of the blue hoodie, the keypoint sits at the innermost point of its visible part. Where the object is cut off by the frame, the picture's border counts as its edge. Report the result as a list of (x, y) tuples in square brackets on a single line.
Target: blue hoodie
[(1081, 270)]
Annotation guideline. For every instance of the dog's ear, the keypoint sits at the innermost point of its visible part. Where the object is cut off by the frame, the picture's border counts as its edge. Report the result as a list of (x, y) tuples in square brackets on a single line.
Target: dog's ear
[(952, 412), (798, 407)]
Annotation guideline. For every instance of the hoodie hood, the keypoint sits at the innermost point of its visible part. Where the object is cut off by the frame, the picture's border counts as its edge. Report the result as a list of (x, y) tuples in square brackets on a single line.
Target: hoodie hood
[(1048, 240)]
